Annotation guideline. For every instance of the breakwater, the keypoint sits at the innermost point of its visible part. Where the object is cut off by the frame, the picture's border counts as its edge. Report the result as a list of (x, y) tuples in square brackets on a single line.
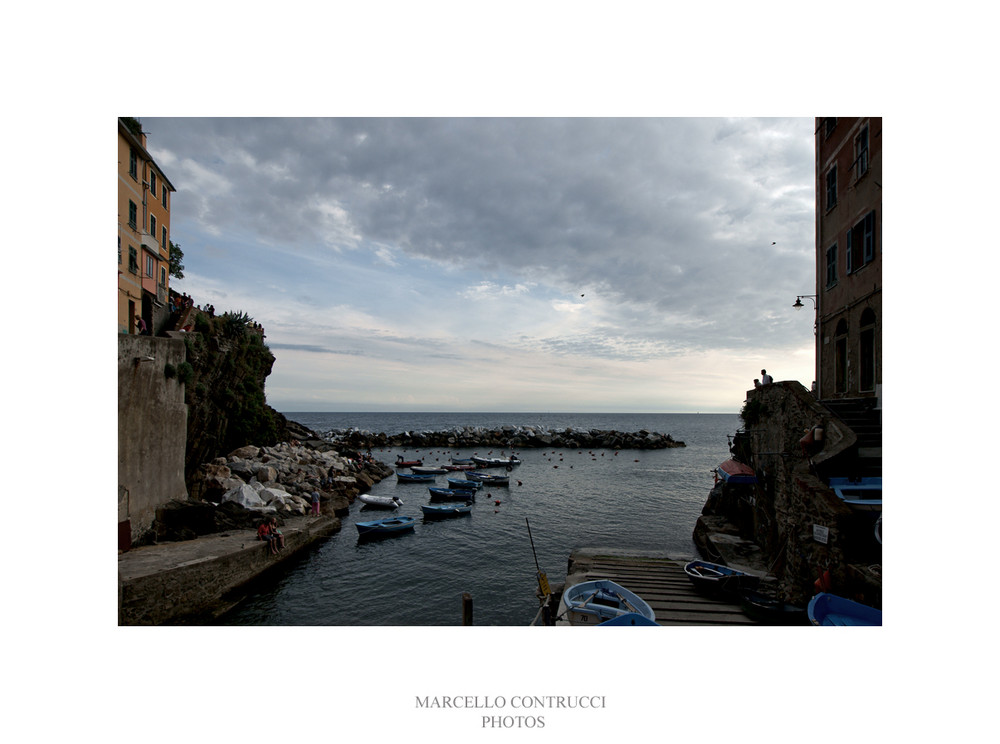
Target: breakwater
[(506, 436)]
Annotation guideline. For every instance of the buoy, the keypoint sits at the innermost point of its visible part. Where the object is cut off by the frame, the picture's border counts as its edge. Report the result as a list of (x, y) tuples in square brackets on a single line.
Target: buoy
[(497, 502)]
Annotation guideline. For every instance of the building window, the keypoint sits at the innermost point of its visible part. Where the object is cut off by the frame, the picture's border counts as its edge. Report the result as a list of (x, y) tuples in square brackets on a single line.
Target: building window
[(133, 215), (861, 243), (831, 124), (133, 260), (866, 354), (152, 183), (150, 266), (831, 188), (119, 250), (152, 225), (164, 245), (163, 196), (861, 153), (133, 164), (831, 265), (163, 276)]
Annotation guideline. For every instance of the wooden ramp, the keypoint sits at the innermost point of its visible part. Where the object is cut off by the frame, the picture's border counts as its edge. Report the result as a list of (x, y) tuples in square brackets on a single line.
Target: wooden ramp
[(660, 581)]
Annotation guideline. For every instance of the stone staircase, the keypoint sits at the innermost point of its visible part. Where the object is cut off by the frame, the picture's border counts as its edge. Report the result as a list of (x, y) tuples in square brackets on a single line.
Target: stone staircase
[(864, 417)]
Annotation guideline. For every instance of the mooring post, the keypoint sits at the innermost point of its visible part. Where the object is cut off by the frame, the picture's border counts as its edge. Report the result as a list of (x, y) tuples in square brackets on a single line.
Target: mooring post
[(466, 608)]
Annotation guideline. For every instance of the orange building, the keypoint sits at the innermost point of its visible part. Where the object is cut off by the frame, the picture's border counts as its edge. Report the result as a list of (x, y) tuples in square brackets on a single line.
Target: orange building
[(849, 258), (144, 200)]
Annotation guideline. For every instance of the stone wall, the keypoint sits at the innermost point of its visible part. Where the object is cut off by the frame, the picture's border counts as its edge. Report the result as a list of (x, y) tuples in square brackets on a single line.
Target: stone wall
[(152, 431)]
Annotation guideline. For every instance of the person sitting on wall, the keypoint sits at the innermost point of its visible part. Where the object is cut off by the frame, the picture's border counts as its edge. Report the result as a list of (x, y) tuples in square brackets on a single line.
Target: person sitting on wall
[(765, 378), (264, 533), (756, 382), (277, 538)]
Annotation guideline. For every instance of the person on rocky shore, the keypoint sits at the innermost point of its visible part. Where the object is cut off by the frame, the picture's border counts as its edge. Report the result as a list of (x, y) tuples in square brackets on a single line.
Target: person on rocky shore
[(264, 533), (276, 533), (315, 503)]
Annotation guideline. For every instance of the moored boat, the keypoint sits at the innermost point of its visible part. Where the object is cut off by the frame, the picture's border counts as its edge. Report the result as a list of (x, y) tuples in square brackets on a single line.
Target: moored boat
[(860, 494), (452, 494), (457, 467), (470, 485), (771, 610), (414, 478), (496, 462), (390, 526), (401, 463), (594, 602), (492, 480), (462, 461), (713, 579), (446, 510), (380, 502), (736, 473), (427, 470), (829, 609)]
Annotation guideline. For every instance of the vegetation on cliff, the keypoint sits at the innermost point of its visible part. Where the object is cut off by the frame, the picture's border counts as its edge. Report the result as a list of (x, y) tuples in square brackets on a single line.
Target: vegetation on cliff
[(229, 363)]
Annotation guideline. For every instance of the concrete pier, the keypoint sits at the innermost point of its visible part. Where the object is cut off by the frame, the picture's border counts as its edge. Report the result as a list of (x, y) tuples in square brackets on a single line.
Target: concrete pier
[(196, 580)]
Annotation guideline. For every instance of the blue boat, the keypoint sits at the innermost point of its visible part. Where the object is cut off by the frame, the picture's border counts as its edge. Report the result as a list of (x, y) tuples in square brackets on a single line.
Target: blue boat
[(593, 602), (629, 619), (713, 579), (861, 494), (411, 478), (390, 526), (469, 485), (490, 480), (450, 494), (446, 510), (829, 609)]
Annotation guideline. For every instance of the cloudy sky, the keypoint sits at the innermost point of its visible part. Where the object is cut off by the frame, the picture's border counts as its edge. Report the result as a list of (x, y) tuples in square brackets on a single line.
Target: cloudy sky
[(503, 264)]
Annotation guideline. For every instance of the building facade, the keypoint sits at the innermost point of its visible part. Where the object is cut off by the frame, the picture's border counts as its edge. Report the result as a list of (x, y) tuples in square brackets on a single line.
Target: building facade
[(848, 257), (144, 201)]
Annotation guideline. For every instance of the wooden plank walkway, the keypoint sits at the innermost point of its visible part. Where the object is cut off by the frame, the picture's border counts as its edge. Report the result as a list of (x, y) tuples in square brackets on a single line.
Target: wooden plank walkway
[(661, 582)]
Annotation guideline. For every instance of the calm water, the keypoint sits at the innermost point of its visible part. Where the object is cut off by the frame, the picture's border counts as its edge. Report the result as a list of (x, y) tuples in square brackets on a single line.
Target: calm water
[(642, 500)]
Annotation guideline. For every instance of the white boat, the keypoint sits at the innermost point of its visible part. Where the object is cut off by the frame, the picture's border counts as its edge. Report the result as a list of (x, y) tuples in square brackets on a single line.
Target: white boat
[(380, 502), (594, 602)]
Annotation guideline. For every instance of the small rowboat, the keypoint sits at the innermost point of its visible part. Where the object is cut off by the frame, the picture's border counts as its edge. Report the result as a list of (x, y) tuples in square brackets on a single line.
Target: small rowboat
[(496, 462), (457, 466), (461, 461), (380, 502), (712, 579), (414, 478), (427, 470), (594, 602), (736, 472), (469, 485), (449, 494), (446, 510), (829, 609), (401, 463), (491, 480), (860, 494), (390, 526)]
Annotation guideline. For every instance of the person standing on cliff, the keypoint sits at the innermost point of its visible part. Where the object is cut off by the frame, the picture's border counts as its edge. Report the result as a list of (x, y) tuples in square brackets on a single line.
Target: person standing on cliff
[(765, 378), (315, 503)]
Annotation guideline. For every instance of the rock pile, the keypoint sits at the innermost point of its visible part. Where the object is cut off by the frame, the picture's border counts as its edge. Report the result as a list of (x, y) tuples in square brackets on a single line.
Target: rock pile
[(235, 491), (507, 436)]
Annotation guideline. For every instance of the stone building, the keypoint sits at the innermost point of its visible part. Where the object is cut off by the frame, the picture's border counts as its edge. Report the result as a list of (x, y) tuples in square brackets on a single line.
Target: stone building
[(144, 201)]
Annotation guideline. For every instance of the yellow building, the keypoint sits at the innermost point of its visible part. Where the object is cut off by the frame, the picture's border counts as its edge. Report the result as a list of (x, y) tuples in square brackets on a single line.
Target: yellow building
[(144, 200)]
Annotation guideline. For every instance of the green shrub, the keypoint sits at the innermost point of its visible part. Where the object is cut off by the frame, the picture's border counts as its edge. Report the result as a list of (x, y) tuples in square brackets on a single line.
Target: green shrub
[(169, 371), (185, 372)]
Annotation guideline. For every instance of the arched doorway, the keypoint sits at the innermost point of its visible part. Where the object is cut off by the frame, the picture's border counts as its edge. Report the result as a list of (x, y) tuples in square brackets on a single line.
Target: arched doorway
[(866, 351), (840, 358)]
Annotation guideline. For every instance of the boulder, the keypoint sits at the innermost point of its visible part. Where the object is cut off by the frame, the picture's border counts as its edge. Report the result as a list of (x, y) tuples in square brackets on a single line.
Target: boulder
[(245, 496)]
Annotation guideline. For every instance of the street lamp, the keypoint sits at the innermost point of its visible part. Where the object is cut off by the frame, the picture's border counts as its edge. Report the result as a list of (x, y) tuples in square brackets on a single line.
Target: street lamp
[(798, 306), (798, 301)]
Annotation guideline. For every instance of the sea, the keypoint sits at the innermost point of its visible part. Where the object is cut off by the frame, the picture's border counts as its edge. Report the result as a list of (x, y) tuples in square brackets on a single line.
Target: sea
[(558, 500)]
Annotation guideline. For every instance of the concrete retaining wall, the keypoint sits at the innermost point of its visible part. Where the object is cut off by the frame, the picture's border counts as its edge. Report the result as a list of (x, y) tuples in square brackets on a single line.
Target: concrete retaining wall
[(152, 429)]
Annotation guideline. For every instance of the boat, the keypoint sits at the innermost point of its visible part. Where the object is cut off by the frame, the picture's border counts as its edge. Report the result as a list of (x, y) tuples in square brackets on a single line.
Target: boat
[(455, 467), (462, 461), (390, 526), (771, 610), (414, 478), (712, 579), (629, 619), (380, 502), (861, 494), (427, 470), (829, 609), (736, 473), (492, 480), (401, 463), (496, 462), (593, 602), (446, 510), (470, 485), (450, 494)]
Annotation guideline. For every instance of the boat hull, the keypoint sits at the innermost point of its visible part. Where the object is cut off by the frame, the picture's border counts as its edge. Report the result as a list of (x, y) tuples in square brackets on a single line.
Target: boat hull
[(441, 511), (404, 478), (380, 502), (713, 579), (829, 609), (449, 494), (385, 527), (595, 602)]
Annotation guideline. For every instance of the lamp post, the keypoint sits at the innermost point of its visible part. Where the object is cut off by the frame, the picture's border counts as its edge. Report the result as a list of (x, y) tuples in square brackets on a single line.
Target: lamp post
[(798, 306)]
